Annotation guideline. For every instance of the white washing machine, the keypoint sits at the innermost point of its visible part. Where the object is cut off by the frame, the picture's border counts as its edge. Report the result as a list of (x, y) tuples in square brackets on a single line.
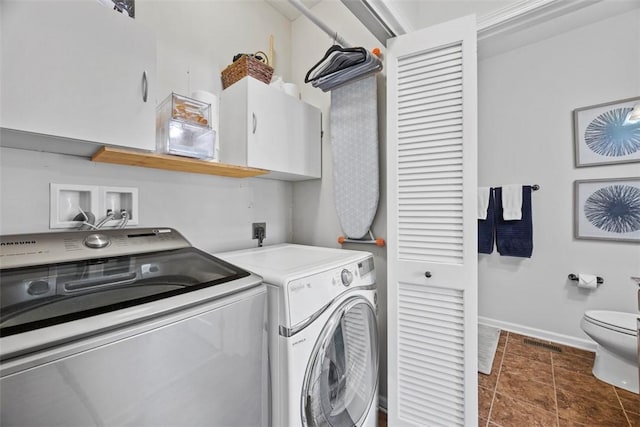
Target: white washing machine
[(323, 344)]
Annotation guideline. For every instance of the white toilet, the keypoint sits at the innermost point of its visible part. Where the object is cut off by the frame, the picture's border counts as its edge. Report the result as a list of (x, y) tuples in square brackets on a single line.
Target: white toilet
[(617, 355)]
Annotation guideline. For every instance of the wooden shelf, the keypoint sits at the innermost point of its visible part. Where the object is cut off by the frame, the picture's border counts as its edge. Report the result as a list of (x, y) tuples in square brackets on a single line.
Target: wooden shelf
[(145, 159)]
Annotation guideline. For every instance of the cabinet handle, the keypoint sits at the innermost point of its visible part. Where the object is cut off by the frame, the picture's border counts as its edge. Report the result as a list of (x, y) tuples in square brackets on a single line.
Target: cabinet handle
[(145, 86), (427, 274), (255, 122)]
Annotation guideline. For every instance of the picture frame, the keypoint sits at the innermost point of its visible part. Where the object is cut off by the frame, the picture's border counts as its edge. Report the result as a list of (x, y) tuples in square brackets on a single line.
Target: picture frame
[(126, 7), (607, 209), (603, 136)]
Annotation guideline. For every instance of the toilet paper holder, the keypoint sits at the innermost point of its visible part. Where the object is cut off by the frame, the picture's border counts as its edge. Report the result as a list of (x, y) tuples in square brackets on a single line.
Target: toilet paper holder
[(574, 277)]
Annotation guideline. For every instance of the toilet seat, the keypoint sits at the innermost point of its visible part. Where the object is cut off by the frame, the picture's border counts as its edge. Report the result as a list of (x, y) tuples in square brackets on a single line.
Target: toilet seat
[(625, 323)]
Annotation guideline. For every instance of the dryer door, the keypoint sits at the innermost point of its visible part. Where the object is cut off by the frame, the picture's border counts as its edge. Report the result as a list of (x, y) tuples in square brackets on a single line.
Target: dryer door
[(342, 376)]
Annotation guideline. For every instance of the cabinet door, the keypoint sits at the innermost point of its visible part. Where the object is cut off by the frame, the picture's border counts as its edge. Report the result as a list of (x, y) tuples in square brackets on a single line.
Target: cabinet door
[(75, 69), (283, 133)]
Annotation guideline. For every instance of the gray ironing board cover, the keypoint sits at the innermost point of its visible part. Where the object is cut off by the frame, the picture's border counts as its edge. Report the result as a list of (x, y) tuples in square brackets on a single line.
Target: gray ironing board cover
[(354, 141)]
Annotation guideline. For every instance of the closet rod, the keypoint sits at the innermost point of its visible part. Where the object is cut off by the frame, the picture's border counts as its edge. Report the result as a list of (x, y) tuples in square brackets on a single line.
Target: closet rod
[(324, 27)]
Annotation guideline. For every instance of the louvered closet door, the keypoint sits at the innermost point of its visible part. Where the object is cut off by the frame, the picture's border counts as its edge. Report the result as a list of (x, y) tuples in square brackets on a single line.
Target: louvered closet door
[(432, 229)]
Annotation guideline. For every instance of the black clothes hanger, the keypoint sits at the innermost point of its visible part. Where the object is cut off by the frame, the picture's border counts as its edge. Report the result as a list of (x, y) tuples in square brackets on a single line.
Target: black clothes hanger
[(339, 63)]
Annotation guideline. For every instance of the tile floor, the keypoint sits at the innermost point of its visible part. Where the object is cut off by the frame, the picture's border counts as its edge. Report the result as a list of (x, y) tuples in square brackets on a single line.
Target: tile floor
[(382, 419), (533, 386)]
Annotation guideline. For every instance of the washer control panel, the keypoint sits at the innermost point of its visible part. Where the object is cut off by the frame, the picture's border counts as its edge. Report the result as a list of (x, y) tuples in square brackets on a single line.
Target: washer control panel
[(309, 294), (23, 250), (347, 277), (97, 241), (365, 266)]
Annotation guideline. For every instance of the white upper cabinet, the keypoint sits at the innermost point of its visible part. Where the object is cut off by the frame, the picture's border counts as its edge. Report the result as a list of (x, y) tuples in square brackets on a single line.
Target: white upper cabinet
[(262, 127), (77, 70)]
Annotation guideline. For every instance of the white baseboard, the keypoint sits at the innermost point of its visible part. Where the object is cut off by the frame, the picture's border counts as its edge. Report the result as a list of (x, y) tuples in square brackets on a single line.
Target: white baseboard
[(382, 403), (585, 344)]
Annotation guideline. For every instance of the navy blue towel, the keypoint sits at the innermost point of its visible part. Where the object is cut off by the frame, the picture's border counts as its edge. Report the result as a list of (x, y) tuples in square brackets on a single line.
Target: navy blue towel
[(485, 228), (514, 238)]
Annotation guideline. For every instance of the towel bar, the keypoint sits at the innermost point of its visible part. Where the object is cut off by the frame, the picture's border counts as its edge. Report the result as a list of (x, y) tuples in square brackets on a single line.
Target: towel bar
[(534, 187), (574, 277)]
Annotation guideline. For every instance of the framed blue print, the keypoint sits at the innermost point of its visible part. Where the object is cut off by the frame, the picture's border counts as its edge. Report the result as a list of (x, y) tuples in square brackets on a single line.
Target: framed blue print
[(122, 6), (607, 209), (604, 134)]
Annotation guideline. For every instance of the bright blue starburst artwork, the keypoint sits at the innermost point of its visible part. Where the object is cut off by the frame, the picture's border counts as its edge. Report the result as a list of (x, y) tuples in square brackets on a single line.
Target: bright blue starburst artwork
[(611, 135), (615, 208)]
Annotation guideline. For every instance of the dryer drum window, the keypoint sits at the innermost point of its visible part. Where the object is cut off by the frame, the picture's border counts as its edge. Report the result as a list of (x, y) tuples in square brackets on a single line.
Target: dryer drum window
[(342, 376)]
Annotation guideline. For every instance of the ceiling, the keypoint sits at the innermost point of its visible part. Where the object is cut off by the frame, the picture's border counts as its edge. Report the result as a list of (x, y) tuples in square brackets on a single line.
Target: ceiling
[(288, 10)]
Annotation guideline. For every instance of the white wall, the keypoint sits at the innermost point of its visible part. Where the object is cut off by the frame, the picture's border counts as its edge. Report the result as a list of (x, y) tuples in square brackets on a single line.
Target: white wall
[(214, 213), (197, 39), (314, 216), (526, 99)]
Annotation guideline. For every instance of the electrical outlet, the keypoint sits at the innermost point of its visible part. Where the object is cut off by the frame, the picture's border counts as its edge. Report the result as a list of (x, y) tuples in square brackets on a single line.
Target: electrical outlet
[(257, 228)]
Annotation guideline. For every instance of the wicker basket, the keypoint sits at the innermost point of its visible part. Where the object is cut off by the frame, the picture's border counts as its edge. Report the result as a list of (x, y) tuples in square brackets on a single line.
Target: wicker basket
[(246, 66)]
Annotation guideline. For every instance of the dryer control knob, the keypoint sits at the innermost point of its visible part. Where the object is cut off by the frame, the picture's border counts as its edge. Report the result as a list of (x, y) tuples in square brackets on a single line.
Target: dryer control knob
[(347, 277), (97, 241)]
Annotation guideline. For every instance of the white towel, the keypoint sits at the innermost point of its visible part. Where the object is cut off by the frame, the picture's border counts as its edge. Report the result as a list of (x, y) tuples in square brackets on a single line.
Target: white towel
[(511, 202), (483, 201)]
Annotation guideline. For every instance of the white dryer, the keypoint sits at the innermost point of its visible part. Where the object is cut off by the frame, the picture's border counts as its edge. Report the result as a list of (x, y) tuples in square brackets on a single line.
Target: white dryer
[(323, 343)]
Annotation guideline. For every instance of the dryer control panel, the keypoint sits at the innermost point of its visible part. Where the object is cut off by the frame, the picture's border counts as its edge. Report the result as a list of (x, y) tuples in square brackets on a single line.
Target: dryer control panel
[(310, 294)]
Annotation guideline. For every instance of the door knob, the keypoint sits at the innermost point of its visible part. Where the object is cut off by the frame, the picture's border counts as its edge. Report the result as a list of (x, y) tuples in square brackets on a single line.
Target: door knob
[(427, 274)]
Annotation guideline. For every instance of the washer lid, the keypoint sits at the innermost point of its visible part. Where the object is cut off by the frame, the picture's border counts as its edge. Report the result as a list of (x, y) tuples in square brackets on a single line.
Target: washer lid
[(45, 295), (616, 320)]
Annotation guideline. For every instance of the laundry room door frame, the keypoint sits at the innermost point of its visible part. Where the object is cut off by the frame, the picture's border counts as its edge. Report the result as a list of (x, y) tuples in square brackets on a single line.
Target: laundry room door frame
[(432, 226)]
